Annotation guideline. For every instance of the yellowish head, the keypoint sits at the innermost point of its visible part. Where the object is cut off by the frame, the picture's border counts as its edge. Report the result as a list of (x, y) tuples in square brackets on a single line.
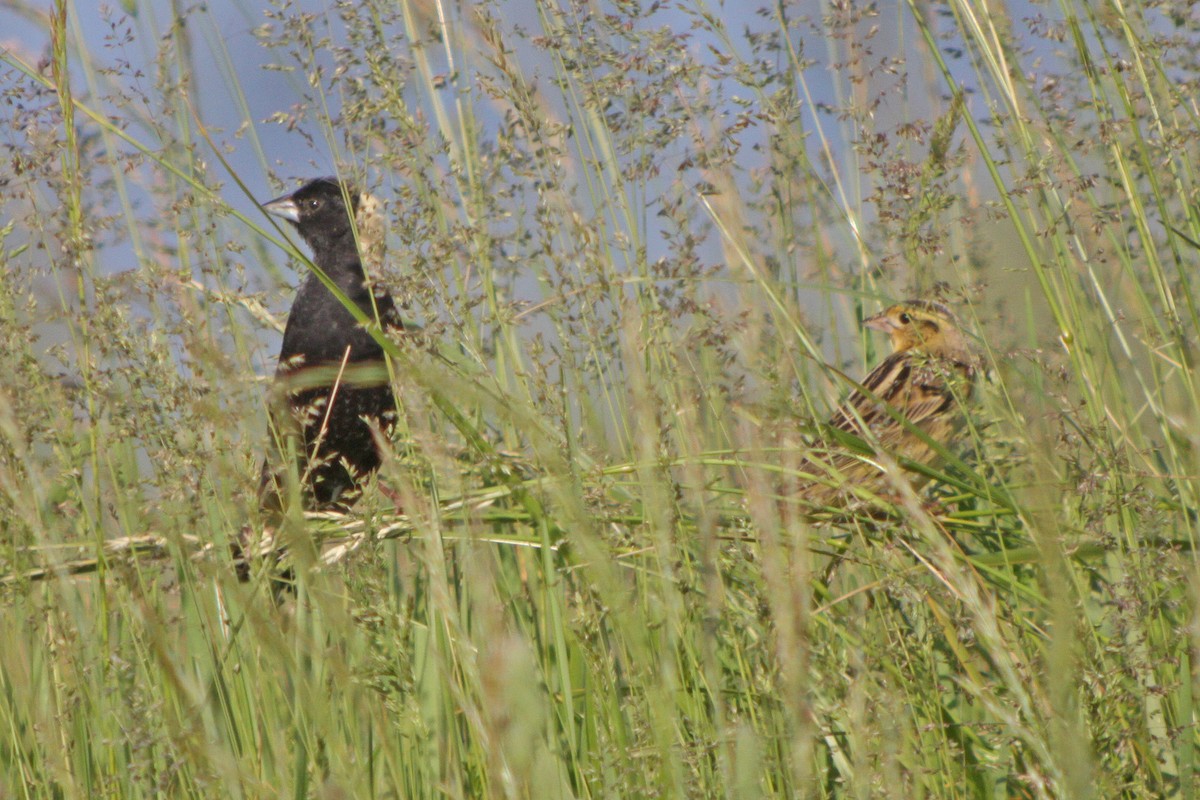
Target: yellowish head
[(920, 323)]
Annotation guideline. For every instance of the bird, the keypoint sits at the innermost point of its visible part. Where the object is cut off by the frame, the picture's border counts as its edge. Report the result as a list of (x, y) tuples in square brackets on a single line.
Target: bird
[(913, 397), (331, 397)]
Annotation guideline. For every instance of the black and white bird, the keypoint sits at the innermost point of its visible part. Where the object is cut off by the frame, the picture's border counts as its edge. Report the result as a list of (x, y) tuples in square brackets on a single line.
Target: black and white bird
[(332, 399)]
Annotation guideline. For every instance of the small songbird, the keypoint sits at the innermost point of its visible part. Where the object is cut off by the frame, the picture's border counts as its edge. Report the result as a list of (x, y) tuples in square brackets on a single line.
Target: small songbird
[(920, 387), (332, 393)]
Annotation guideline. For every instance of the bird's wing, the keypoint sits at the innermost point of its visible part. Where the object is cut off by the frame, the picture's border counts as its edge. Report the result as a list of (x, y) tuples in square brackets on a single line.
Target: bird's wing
[(916, 386), (391, 319)]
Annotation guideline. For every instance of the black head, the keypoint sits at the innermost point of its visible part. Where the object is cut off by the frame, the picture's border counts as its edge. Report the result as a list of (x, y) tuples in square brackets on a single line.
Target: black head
[(318, 210)]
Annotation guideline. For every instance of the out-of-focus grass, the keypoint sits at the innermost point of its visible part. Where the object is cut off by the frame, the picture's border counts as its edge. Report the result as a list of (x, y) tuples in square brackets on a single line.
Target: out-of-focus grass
[(637, 238)]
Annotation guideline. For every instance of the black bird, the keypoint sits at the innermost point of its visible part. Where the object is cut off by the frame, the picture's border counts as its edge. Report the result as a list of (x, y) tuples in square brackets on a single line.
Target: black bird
[(332, 395)]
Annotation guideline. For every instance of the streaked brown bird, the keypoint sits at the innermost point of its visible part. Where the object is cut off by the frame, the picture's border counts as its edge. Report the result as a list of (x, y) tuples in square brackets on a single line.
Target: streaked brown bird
[(916, 392), (332, 396)]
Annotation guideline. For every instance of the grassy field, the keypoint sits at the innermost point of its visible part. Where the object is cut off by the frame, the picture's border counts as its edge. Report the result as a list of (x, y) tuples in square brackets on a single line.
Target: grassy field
[(642, 241)]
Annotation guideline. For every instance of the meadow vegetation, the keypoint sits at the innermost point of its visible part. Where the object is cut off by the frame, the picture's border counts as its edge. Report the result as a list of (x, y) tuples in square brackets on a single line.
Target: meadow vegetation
[(640, 239)]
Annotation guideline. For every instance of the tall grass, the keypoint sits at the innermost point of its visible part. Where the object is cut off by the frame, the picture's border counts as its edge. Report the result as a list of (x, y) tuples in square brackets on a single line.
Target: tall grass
[(641, 241)]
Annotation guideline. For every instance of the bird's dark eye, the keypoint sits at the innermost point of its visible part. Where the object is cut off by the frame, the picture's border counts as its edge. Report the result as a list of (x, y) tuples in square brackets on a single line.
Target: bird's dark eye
[(905, 318), (314, 203)]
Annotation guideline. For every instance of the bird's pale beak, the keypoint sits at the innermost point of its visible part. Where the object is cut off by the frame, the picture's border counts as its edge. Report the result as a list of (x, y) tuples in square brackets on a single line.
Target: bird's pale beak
[(283, 207), (880, 322)]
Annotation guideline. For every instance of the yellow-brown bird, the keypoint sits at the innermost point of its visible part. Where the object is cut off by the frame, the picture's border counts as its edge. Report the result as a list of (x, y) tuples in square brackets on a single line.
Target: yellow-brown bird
[(914, 393)]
